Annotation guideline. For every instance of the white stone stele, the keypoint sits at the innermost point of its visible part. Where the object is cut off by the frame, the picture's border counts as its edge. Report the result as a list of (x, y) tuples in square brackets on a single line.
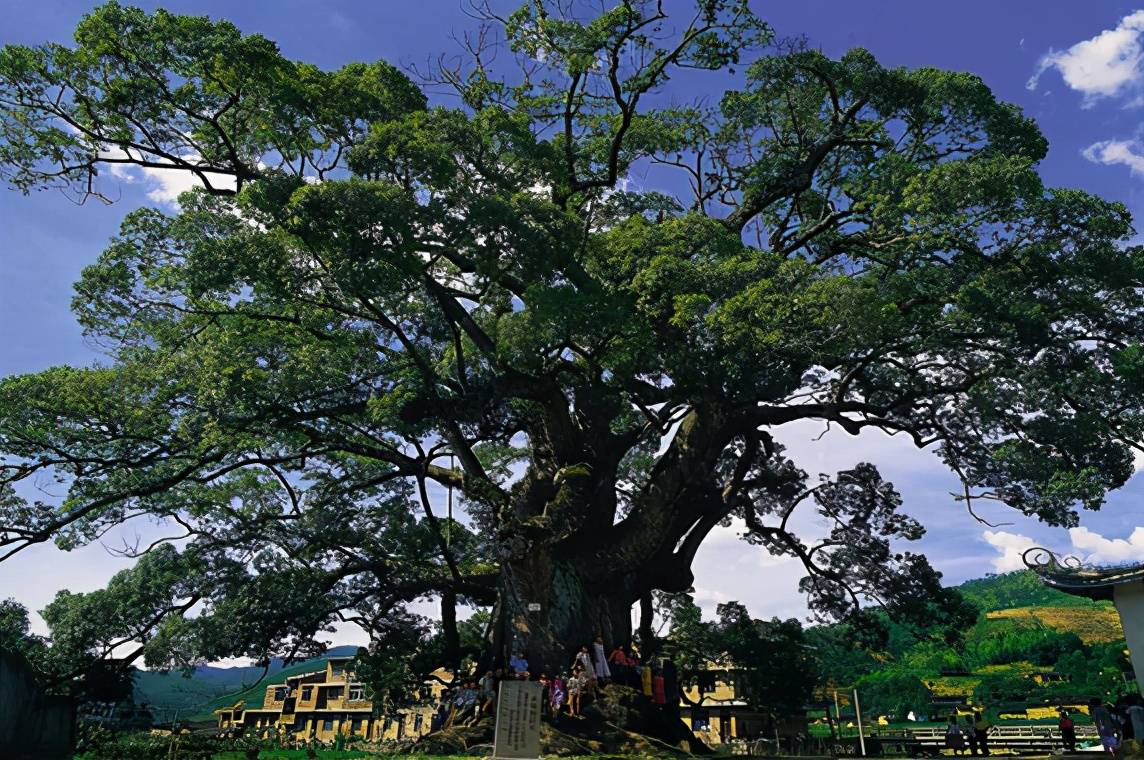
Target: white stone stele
[(517, 735), (1129, 600)]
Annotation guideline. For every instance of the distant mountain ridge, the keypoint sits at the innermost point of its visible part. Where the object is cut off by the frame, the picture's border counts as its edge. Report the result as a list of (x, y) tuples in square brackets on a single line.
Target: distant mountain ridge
[(210, 686)]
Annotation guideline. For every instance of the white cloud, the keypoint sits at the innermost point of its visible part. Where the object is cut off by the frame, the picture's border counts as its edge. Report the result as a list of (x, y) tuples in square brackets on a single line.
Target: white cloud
[(1011, 546), (164, 186), (1112, 152), (1093, 547), (729, 569), (1085, 543), (1101, 67)]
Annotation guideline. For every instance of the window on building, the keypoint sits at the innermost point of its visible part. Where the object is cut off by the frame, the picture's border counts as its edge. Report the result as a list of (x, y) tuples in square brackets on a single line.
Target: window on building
[(700, 719), (327, 725), (357, 692), (335, 693), (417, 720), (355, 726), (280, 693), (307, 692)]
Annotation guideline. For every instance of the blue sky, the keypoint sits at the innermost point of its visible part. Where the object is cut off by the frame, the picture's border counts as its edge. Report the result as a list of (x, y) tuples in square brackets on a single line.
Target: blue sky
[(1078, 68)]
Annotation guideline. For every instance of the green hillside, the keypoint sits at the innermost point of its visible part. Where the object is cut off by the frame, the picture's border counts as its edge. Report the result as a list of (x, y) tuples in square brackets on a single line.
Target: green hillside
[(195, 697), (1031, 645), (171, 694), (1020, 588), (254, 694)]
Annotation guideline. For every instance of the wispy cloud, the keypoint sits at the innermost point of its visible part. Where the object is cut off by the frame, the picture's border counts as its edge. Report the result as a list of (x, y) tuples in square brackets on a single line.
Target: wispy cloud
[(1112, 152), (1104, 66)]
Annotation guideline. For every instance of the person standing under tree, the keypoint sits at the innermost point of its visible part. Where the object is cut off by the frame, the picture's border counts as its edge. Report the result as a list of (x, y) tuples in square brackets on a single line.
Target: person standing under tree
[(577, 684), (559, 692), (954, 737), (545, 695), (981, 726), (618, 664), (601, 660), (970, 735), (1068, 731), (488, 693), (583, 659), (584, 662)]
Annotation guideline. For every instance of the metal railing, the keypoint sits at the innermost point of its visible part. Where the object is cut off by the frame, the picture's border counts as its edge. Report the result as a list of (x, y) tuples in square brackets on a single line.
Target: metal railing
[(925, 740)]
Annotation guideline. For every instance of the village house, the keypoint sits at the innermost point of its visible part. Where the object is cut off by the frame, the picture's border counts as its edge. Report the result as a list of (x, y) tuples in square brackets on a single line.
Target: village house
[(715, 709), (321, 705)]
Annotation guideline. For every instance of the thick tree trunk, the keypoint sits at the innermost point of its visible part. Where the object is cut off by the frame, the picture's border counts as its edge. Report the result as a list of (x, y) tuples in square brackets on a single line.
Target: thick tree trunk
[(576, 572), (550, 607)]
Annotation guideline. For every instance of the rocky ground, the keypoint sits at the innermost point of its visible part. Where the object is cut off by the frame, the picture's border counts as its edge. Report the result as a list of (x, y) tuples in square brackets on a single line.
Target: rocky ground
[(620, 721)]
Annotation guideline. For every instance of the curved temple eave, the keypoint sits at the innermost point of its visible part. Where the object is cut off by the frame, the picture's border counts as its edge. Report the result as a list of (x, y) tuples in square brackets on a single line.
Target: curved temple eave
[(1073, 577)]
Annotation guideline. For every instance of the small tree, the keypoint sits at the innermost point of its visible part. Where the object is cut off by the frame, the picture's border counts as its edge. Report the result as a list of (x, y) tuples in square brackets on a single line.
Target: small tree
[(893, 693), (774, 668), (777, 670)]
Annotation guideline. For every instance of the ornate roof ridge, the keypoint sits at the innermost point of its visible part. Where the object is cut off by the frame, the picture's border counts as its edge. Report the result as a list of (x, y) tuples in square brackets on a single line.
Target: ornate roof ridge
[(1069, 572)]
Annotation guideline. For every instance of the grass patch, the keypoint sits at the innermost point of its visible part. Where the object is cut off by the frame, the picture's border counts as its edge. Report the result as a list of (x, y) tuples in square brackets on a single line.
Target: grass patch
[(298, 754), (1094, 625)]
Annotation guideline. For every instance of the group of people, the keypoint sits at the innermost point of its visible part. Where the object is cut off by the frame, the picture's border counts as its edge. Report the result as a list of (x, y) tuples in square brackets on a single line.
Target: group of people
[(474, 698), (1114, 723), (972, 735), (591, 669)]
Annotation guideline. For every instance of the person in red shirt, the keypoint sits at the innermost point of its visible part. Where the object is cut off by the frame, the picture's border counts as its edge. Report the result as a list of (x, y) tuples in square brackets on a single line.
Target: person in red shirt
[(658, 689), (1068, 731), (620, 666)]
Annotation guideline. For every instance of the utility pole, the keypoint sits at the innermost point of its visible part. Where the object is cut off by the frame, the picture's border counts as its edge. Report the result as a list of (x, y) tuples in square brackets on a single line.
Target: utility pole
[(837, 713), (858, 718), (172, 748)]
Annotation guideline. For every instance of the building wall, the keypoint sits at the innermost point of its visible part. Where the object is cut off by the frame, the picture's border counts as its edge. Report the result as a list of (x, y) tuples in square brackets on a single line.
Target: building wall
[(32, 724), (727, 723), (724, 691), (321, 708), (1129, 599), (407, 724)]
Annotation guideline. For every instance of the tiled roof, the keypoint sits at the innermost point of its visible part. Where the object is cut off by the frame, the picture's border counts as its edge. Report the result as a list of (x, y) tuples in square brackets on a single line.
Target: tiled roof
[(1072, 576)]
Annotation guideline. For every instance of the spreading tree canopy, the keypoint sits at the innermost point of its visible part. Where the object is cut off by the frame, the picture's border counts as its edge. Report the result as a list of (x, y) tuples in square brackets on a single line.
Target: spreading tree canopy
[(371, 299)]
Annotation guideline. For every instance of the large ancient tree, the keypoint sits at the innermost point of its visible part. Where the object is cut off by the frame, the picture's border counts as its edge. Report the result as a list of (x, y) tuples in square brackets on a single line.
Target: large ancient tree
[(370, 300)]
